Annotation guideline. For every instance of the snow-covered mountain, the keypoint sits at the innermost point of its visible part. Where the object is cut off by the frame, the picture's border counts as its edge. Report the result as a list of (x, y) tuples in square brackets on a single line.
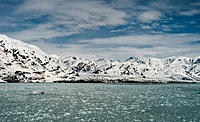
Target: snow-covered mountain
[(21, 62)]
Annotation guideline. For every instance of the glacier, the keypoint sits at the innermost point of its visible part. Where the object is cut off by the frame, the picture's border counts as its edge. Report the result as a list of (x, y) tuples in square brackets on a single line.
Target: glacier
[(22, 62)]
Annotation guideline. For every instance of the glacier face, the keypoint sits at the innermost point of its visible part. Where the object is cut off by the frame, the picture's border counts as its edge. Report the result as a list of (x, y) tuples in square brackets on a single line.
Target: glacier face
[(21, 62)]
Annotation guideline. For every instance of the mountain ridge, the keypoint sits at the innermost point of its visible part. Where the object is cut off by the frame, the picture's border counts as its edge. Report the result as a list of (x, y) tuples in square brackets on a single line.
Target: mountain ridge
[(21, 62)]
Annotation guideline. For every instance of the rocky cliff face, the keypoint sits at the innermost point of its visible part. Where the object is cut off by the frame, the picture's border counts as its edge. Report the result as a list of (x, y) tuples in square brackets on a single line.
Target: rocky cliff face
[(21, 62)]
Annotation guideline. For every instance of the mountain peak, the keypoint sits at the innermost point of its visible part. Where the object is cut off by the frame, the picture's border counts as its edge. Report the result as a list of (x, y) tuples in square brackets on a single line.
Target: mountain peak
[(22, 62)]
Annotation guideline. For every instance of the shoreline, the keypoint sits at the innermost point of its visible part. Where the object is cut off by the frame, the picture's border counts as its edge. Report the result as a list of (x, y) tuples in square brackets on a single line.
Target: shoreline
[(112, 82)]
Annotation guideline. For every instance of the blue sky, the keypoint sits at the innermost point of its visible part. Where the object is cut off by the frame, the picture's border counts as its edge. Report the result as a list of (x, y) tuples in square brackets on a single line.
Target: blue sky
[(112, 29)]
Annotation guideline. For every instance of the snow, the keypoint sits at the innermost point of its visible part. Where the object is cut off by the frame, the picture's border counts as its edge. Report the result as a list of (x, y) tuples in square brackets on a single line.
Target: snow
[(21, 62), (1, 81)]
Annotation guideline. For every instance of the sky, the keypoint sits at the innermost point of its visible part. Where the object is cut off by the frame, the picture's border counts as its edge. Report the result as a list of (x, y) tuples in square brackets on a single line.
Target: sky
[(112, 29)]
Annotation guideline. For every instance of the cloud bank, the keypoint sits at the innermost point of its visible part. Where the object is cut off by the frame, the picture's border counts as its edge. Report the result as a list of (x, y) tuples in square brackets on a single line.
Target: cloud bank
[(159, 45)]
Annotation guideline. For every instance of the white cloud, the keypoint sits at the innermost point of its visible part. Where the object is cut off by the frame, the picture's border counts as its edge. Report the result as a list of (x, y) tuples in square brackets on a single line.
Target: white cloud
[(190, 12), (41, 31), (74, 16), (149, 16), (147, 39), (158, 45), (166, 28), (146, 27), (162, 5), (196, 4), (119, 30)]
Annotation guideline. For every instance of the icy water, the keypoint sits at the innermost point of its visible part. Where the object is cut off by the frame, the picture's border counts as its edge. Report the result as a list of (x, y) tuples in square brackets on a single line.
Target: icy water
[(100, 102)]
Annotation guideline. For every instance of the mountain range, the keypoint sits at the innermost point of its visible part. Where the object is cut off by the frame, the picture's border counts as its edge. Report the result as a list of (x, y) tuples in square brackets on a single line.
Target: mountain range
[(22, 62)]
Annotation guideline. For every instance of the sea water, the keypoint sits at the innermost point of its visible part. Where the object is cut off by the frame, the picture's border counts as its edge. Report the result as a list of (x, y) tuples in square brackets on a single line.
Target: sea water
[(100, 102)]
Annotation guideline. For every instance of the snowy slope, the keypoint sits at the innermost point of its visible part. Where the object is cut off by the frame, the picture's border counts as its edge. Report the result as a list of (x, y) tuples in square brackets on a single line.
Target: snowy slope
[(21, 62)]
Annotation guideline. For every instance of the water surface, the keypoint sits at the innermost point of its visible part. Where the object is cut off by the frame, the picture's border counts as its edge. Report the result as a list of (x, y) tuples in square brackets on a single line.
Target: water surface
[(100, 102)]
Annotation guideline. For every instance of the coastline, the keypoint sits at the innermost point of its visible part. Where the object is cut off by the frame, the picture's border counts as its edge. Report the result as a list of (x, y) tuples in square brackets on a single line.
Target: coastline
[(114, 82)]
